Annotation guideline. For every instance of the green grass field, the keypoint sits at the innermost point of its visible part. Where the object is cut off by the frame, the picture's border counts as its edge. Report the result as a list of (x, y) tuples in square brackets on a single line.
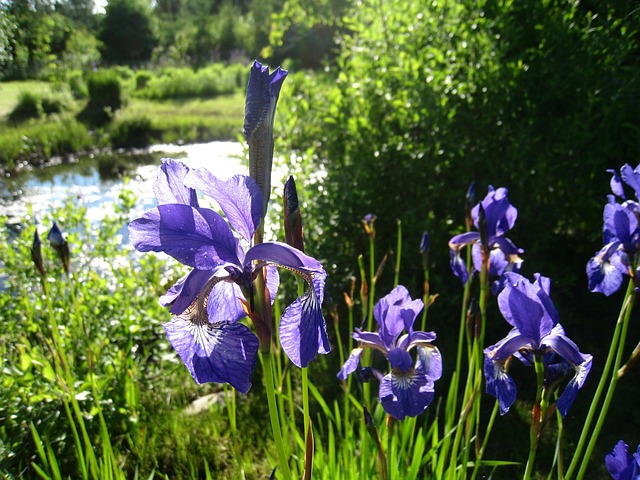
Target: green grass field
[(10, 91)]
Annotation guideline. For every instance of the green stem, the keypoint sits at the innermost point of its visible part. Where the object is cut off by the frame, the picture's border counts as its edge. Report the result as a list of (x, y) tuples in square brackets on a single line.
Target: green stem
[(613, 382), (625, 312), (273, 415), (538, 413)]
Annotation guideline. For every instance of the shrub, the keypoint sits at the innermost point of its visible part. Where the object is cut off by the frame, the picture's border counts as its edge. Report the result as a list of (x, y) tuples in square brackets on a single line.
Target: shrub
[(106, 96), (133, 132), (77, 85), (33, 105)]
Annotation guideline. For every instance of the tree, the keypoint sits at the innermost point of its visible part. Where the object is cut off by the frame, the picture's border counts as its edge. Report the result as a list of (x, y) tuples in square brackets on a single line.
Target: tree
[(127, 32)]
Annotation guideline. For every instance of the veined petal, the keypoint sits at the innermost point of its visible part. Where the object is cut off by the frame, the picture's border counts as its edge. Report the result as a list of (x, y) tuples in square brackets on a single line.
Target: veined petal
[(405, 394), (197, 237), (499, 383), (222, 353), (224, 303), (429, 361), (567, 397), (285, 256), (239, 198), (351, 364), (370, 339), (631, 177), (606, 270), (303, 331), (169, 185)]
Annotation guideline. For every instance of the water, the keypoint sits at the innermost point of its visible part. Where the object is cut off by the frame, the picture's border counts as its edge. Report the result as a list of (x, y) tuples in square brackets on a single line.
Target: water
[(97, 179)]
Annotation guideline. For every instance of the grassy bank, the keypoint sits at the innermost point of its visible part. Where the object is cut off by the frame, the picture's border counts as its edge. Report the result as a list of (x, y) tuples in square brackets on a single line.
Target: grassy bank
[(139, 122)]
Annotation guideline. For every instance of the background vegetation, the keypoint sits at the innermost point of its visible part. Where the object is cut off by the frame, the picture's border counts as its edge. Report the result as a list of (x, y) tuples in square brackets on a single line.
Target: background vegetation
[(392, 108)]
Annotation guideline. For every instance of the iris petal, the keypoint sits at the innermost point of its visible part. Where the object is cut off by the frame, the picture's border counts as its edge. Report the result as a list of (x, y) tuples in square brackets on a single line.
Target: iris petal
[(303, 332), (169, 185), (223, 353), (197, 237), (351, 364), (405, 394), (239, 198)]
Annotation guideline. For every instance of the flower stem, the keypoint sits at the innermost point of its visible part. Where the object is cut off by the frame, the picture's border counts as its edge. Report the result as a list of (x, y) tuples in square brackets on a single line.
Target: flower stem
[(273, 415), (537, 414), (625, 312)]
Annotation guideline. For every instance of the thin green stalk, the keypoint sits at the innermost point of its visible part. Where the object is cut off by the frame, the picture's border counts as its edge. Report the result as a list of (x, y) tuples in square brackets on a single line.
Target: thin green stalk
[(537, 415), (613, 382), (494, 414), (396, 277), (625, 312), (273, 415)]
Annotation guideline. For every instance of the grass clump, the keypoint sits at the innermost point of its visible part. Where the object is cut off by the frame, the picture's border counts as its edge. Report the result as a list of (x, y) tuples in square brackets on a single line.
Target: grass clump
[(38, 105)]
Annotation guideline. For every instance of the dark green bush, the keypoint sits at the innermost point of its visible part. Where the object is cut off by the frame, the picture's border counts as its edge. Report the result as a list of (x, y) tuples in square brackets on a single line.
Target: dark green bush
[(134, 132), (37, 105), (143, 78), (106, 96), (77, 85)]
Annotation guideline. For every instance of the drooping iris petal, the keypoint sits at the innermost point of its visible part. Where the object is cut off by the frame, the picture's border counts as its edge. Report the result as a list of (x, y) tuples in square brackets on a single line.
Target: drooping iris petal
[(499, 383), (197, 237), (430, 362), (303, 331), (169, 185), (606, 270), (405, 394), (351, 364), (239, 198), (400, 359), (568, 396), (621, 224), (221, 352)]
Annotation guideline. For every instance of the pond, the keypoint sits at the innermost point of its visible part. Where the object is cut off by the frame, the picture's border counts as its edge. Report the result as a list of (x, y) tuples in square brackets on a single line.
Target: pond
[(97, 179)]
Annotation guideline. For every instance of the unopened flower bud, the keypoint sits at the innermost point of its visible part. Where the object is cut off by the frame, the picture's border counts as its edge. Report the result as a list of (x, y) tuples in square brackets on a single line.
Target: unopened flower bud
[(292, 216), (60, 245), (36, 254)]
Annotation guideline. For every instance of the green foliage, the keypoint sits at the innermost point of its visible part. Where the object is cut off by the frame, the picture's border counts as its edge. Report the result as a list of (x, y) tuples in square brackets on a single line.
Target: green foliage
[(40, 141), (77, 85), (106, 95), (537, 97), (127, 32), (33, 105), (132, 132), (211, 81)]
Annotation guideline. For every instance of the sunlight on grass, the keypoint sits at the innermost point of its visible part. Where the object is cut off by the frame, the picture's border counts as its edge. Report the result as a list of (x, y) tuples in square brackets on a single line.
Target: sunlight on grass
[(10, 92)]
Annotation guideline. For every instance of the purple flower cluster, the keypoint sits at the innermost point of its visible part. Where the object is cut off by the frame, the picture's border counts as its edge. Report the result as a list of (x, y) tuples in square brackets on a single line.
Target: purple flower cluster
[(621, 235), (407, 390), (536, 334), (492, 217)]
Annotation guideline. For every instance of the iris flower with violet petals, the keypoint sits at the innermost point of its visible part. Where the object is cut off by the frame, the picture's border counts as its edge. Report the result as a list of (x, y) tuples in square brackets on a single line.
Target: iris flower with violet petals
[(621, 235), (409, 388), (536, 332), (494, 216), (621, 465), (208, 302)]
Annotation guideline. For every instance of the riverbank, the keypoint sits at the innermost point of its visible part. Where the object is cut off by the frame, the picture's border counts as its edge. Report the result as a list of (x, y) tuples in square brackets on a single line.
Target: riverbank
[(139, 123)]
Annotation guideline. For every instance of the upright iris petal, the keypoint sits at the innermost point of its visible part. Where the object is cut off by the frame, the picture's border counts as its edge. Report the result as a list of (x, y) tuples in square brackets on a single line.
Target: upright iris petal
[(407, 390), (263, 91), (536, 332)]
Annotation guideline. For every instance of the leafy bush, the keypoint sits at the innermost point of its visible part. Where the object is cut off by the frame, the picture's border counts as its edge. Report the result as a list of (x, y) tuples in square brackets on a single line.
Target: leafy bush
[(132, 132), (77, 85), (29, 106), (211, 81), (106, 96)]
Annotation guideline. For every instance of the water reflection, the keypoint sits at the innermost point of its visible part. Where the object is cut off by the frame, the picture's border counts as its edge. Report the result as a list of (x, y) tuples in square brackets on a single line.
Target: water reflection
[(97, 179)]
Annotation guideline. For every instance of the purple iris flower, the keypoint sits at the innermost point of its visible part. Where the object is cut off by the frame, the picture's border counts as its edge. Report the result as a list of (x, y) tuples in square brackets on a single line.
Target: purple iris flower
[(493, 217), (620, 233), (621, 465), (209, 301), (263, 91), (536, 333), (409, 388)]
